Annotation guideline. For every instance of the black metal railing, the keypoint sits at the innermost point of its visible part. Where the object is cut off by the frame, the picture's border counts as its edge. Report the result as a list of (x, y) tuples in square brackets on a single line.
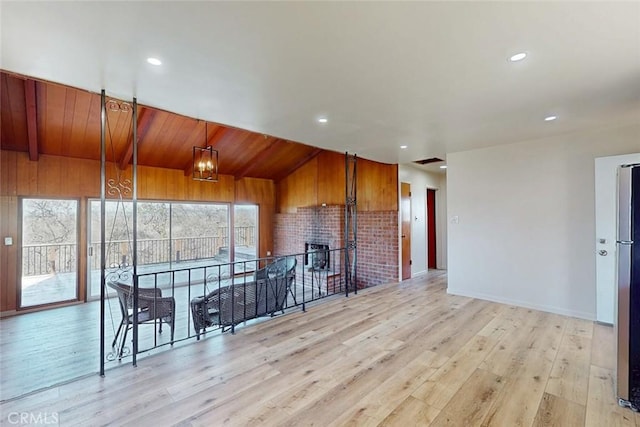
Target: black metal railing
[(223, 296), (159, 251), (245, 236), (49, 258)]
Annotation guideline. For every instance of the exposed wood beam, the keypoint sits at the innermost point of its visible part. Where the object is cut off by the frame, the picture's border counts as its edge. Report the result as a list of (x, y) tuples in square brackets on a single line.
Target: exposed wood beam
[(302, 161), (257, 158), (144, 123), (32, 123), (212, 141)]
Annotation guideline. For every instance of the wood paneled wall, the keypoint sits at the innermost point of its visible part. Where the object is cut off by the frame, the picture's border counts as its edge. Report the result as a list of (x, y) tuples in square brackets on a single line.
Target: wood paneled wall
[(377, 186), (322, 180), (331, 178), (263, 193), (8, 254), (56, 177), (298, 189)]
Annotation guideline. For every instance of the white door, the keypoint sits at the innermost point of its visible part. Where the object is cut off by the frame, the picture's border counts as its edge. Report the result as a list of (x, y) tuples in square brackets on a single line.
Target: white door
[(606, 223)]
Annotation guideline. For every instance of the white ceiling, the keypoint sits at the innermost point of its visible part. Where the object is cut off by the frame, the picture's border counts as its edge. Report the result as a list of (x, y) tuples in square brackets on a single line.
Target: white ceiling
[(434, 76)]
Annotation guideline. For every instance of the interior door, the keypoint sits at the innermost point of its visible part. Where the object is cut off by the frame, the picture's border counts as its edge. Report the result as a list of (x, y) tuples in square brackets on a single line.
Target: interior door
[(405, 203), (606, 227)]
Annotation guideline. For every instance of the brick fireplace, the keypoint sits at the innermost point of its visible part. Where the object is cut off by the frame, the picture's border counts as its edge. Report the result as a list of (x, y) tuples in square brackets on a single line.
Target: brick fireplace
[(317, 256), (323, 226)]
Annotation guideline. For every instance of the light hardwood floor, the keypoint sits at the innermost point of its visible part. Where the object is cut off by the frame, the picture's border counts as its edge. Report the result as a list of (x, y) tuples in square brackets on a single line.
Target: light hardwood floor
[(47, 347), (399, 354)]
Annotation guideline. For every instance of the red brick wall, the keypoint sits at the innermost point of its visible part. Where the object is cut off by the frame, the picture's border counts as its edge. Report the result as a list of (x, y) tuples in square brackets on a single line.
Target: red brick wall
[(377, 238), (377, 248)]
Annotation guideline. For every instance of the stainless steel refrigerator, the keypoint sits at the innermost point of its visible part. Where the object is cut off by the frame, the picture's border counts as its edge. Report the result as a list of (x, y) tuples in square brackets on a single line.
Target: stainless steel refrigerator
[(628, 318)]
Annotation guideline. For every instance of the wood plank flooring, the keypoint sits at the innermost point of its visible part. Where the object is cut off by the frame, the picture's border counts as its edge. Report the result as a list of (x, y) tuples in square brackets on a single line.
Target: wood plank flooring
[(393, 355)]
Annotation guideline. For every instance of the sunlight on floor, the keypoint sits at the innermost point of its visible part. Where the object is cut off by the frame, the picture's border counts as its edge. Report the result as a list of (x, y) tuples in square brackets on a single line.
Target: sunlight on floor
[(47, 289)]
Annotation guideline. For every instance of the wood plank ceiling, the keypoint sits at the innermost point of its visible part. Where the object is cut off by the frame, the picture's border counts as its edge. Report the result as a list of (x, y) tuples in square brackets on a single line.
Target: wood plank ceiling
[(39, 117)]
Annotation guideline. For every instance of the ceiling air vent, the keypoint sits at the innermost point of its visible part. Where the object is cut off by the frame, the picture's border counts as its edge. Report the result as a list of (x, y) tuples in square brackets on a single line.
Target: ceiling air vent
[(427, 161)]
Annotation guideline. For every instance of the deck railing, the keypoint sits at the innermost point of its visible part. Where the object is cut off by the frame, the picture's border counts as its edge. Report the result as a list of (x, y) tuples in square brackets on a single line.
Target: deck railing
[(50, 258), (159, 251)]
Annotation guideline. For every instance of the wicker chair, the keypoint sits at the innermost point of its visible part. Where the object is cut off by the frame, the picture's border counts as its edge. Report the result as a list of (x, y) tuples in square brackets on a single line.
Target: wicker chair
[(151, 306), (235, 303)]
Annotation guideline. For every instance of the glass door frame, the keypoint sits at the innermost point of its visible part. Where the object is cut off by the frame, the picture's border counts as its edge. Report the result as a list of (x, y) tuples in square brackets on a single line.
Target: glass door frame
[(78, 230), (257, 226)]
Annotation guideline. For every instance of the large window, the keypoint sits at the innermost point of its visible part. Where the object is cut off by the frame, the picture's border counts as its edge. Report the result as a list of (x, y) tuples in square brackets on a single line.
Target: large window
[(200, 232), (49, 251), (171, 235)]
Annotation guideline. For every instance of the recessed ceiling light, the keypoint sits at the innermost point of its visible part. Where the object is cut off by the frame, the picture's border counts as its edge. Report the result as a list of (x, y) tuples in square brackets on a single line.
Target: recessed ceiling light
[(154, 61), (443, 167), (550, 118), (403, 146), (323, 120), (518, 57)]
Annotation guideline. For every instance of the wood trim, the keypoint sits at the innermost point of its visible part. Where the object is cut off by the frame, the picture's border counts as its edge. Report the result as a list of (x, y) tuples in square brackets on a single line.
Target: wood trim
[(82, 250), (144, 123), (299, 164), (405, 215), (32, 122), (41, 307), (257, 158)]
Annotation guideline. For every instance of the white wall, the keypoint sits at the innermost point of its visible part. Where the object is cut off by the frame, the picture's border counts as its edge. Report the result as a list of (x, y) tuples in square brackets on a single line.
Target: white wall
[(526, 225), (420, 181)]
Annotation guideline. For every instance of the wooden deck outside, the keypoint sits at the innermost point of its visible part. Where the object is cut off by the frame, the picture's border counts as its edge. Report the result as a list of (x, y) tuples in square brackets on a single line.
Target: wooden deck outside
[(397, 354), (43, 289)]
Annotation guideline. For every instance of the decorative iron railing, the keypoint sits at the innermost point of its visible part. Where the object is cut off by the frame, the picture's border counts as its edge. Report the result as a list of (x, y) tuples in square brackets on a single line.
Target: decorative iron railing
[(222, 296)]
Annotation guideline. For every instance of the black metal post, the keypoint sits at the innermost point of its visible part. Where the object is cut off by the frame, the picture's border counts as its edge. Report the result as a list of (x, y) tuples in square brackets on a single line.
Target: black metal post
[(350, 223), (355, 223), (346, 223), (103, 178), (134, 256)]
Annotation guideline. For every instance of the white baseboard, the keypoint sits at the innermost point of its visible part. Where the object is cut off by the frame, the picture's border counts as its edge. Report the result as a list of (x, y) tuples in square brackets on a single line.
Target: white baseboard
[(548, 308)]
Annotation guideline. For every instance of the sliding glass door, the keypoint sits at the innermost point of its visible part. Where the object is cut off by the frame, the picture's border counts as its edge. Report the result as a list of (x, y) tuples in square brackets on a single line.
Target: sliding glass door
[(154, 245), (49, 251)]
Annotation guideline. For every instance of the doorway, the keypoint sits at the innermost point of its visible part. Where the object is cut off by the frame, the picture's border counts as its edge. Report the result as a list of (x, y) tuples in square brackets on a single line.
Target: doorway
[(431, 229), (405, 203), (49, 251)]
